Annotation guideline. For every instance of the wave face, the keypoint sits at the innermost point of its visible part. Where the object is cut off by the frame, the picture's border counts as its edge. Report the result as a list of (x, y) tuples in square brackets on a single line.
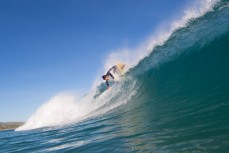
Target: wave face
[(174, 100)]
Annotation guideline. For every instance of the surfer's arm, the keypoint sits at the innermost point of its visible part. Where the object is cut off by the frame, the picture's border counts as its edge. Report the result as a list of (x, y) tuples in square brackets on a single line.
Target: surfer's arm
[(108, 86), (107, 83)]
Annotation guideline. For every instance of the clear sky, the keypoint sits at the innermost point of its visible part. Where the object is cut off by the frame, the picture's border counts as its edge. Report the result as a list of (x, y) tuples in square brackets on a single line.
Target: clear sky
[(50, 46)]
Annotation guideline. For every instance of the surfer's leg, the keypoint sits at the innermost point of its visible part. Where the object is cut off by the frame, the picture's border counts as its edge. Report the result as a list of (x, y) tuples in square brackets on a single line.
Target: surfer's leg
[(108, 73)]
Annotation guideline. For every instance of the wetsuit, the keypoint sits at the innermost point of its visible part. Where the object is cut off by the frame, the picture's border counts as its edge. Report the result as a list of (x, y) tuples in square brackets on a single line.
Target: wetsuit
[(114, 69)]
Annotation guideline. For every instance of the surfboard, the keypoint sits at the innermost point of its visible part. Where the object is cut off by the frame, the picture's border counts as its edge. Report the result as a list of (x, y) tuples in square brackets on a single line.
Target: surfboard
[(120, 68)]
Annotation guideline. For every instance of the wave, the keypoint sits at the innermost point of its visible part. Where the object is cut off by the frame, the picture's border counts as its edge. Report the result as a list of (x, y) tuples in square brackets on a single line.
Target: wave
[(156, 69)]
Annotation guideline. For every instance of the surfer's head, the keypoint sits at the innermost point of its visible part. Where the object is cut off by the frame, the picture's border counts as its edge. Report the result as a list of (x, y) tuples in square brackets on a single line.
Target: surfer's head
[(105, 77)]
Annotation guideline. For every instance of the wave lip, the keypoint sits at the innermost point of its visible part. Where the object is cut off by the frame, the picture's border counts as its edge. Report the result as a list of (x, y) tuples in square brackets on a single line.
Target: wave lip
[(133, 56)]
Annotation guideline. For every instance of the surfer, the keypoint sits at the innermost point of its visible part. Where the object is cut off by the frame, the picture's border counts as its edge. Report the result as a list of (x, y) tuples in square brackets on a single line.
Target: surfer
[(117, 69)]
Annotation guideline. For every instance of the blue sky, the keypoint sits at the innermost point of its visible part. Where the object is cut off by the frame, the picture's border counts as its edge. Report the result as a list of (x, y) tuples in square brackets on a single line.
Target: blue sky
[(50, 46)]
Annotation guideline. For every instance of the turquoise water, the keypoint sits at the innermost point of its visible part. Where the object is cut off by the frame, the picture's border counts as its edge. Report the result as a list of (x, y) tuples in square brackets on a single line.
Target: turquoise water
[(174, 100)]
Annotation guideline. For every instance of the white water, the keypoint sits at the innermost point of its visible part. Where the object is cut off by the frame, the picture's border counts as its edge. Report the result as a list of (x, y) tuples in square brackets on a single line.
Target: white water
[(67, 108), (131, 56)]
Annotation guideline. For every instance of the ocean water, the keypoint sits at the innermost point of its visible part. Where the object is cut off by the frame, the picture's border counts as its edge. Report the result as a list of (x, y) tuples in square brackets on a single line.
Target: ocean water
[(175, 99)]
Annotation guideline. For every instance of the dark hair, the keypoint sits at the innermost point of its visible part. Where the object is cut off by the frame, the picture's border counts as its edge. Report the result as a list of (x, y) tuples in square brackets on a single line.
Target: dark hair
[(104, 76)]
